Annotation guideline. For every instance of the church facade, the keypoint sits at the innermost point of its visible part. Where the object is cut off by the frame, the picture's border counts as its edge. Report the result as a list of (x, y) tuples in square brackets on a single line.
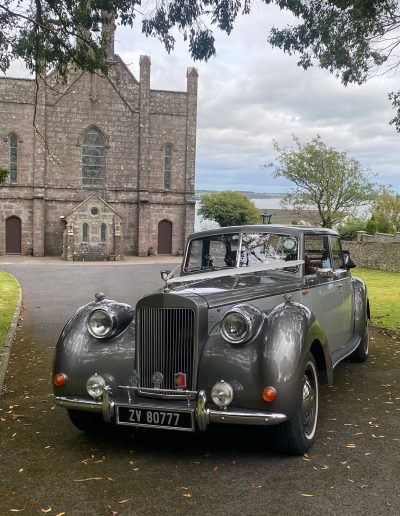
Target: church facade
[(100, 168)]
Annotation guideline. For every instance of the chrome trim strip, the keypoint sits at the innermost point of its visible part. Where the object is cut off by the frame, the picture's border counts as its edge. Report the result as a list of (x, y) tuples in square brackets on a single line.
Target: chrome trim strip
[(160, 393), (347, 354), (235, 271), (78, 403), (246, 417)]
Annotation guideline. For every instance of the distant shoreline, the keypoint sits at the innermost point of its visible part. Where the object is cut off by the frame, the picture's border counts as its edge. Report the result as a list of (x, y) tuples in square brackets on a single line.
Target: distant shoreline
[(251, 195)]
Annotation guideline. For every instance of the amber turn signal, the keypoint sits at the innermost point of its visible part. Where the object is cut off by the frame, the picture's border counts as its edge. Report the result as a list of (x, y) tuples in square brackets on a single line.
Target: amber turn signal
[(269, 394), (60, 379)]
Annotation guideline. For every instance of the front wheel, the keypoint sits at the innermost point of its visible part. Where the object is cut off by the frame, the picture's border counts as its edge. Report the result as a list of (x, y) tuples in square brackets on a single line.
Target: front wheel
[(90, 422), (296, 436)]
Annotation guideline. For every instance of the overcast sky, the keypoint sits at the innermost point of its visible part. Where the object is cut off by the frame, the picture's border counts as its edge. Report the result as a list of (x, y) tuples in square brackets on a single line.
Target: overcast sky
[(250, 94)]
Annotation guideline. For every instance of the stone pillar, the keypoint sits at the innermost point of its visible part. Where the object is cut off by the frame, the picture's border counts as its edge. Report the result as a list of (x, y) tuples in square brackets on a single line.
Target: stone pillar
[(118, 241), (191, 126), (144, 156), (39, 167), (109, 30)]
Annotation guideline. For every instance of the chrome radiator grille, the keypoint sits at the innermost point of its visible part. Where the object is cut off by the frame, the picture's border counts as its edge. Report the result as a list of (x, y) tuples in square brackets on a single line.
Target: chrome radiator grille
[(165, 344)]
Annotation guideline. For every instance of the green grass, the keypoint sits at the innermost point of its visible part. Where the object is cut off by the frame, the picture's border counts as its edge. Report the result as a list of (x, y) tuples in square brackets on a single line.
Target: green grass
[(9, 293), (384, 296)]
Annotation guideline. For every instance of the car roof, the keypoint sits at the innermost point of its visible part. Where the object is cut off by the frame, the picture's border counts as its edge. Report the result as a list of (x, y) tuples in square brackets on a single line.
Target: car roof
[(265, 228)]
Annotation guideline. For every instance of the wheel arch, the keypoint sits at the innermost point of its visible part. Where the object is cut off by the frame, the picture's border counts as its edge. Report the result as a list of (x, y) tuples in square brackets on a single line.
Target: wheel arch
[(323, 362)]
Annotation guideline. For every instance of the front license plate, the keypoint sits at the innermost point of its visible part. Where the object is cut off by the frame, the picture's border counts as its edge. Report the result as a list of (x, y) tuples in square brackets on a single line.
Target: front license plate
[(142, 416)]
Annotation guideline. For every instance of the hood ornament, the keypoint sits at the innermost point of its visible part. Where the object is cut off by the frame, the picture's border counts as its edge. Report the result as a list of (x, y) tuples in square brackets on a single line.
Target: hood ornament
[(165, 275)]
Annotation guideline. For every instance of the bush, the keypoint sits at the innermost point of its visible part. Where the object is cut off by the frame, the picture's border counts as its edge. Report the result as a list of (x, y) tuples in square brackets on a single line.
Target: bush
[(348, 230)]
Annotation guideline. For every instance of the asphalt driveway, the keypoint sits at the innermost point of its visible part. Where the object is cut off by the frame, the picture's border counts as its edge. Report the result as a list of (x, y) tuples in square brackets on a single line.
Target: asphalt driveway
[(46, 466)]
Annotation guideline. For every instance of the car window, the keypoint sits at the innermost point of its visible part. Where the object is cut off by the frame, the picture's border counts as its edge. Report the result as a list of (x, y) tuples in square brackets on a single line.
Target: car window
[(337, 254), (259, 248), (316, 253), (213, 252)]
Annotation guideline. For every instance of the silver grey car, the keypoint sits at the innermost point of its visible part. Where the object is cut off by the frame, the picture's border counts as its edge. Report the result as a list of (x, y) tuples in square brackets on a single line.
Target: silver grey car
[(241, 333)]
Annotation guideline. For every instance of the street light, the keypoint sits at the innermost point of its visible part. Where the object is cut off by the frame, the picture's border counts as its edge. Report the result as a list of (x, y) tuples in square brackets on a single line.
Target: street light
[(266, 217)]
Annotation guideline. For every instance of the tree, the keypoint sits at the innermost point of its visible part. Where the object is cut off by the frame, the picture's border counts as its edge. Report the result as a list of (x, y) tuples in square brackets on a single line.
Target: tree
[(325, 179), (43, 32), (229, 208), (354, 39), (348, 228), (385, 213)]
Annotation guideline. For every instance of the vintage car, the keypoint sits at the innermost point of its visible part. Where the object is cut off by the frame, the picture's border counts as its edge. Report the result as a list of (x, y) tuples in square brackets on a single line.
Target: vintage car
[(243, 332)]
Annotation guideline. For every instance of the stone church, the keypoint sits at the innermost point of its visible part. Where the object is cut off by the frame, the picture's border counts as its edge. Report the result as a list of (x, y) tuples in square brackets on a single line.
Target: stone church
[(109, 170)]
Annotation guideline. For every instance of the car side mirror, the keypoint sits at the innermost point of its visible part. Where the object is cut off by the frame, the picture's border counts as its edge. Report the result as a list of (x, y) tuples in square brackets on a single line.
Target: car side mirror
[(325, 273), (348, 262)]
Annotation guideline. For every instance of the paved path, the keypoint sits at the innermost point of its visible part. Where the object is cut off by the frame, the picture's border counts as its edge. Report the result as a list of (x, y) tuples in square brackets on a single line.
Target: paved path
[(45, 463)]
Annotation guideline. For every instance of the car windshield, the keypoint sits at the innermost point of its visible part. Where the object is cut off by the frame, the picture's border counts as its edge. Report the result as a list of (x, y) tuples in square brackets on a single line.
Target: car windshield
[(224, 251)]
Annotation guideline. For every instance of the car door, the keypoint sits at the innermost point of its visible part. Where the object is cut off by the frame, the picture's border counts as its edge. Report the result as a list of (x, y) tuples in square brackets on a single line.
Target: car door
[(344, 279), (326, 288)]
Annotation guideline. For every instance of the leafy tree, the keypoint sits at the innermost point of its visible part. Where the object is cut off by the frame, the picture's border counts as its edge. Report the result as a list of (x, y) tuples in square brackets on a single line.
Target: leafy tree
[(354, 39), (349, 226), (326, 179), (229, 208), (351, 38), (43, 32), (386, 213)]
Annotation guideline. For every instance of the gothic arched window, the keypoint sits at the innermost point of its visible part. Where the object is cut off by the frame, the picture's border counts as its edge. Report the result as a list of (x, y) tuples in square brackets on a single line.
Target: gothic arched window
[(13, 141), (93, 158), (103, 233), (85, 232), (167, 166)]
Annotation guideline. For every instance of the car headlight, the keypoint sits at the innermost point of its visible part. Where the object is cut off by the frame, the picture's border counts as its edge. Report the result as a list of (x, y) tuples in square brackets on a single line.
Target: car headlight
[(101, 323), (237, 326)]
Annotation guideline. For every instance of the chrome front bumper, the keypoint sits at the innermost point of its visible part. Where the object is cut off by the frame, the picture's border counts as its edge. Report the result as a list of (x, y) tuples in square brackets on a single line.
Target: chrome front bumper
[(203, 415)]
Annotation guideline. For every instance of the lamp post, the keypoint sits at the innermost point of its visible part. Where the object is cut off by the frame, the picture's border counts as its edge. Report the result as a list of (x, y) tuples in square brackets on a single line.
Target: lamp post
[(266, 217)]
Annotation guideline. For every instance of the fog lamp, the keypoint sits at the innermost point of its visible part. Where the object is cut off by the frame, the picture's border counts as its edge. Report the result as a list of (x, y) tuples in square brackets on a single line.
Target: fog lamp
[(222, 394), (95, 386)]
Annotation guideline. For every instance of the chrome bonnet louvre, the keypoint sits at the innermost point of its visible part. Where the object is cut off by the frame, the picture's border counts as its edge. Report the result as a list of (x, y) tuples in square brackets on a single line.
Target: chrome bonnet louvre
[(165, 345)]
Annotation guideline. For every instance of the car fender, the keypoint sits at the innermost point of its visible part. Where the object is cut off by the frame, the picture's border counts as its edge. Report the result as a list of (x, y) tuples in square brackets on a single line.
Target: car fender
[(79, 355), (274, 357), (361, 306), (291, 332)]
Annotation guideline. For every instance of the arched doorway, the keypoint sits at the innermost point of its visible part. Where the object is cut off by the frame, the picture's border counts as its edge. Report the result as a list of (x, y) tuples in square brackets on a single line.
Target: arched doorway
[(13, 235), (164, 237)]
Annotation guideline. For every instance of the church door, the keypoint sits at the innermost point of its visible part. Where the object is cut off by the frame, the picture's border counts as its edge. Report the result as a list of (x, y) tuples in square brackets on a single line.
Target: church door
[(13, 235), (165, 237)]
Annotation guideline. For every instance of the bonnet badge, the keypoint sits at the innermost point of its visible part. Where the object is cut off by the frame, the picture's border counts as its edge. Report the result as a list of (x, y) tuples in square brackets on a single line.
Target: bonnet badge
[(157, 379)]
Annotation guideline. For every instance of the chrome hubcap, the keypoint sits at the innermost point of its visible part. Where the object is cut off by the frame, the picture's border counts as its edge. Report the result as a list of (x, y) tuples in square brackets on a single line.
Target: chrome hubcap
[(309, 403)]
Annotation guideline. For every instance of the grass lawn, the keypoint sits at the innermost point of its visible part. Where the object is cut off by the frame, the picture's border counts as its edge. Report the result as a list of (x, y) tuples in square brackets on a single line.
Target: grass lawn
[(384, 296), (9, 292)]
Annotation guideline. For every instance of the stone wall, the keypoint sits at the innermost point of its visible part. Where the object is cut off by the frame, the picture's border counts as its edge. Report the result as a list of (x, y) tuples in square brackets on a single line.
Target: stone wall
[(374, 255)]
